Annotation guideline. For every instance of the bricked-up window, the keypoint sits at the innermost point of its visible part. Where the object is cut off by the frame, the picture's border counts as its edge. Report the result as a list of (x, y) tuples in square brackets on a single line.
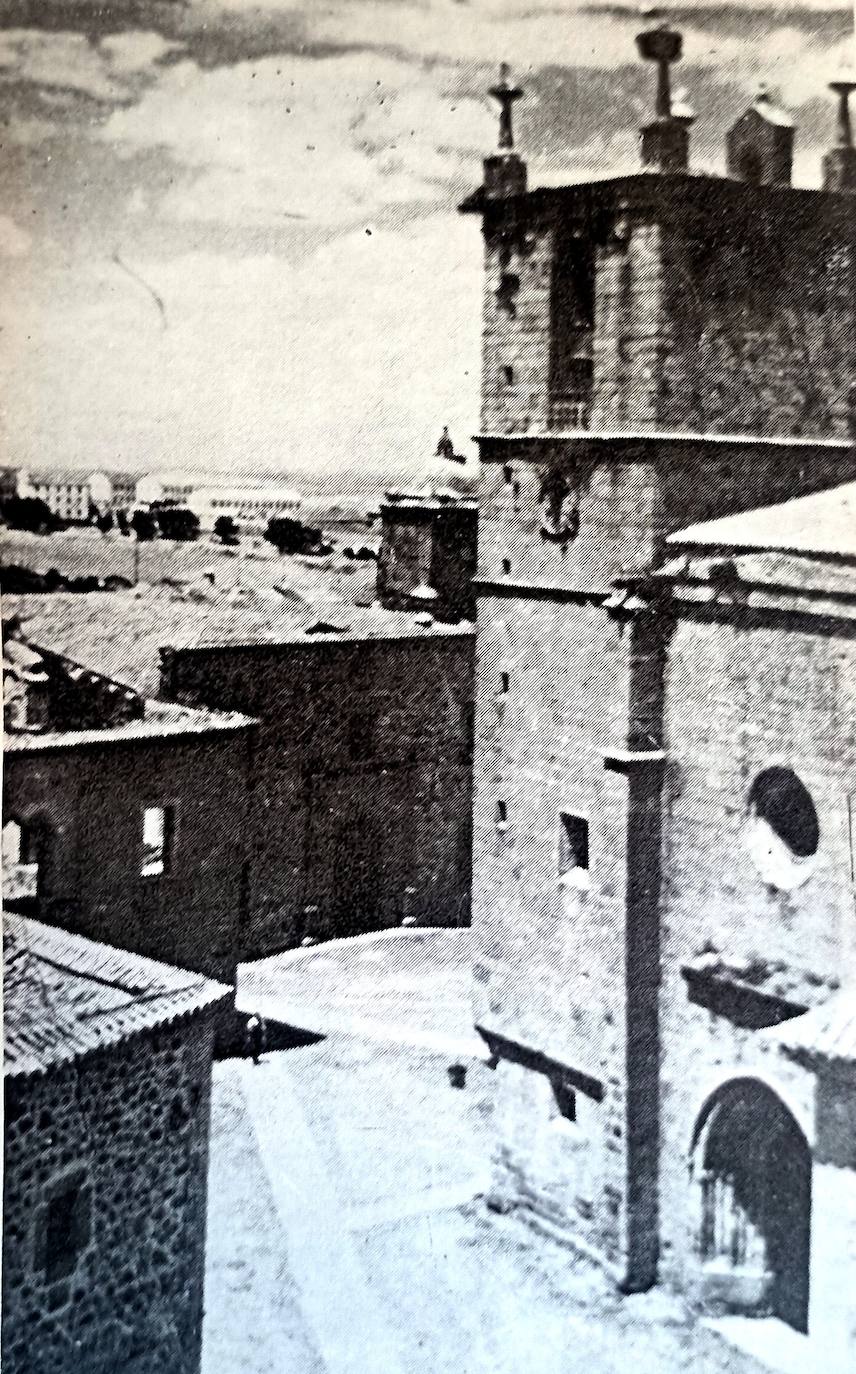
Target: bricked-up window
[(361, 744), (573, 845), (65, 1228), (158, 840)]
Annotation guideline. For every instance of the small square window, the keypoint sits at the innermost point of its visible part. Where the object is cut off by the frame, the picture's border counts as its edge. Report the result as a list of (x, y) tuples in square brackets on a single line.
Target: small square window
[(573, 845), (158, 836)]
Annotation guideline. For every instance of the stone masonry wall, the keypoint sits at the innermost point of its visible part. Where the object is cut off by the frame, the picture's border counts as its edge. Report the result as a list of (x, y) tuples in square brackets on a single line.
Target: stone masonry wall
[(91, 800), (132, 1123), (549, 970), (362, 779), (744, 693), (516, 328), (729, 319)]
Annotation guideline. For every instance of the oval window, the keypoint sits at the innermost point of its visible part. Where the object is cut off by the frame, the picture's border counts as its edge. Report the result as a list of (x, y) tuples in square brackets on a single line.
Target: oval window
[(782, 830)]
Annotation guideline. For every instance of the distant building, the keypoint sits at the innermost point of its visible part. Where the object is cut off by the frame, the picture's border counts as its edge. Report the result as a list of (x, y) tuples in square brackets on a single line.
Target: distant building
[(250, 505), (66, 494), (113, 491), (124, 818), (429, 541), (250, 502), (360, 776), (177, 488), (663, 832), (107, 1066)]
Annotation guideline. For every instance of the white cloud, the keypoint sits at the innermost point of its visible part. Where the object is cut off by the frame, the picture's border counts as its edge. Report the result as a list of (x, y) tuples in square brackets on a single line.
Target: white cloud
[(133, 53), (333, 140), (56, 61), (355, 356), (14, 241)]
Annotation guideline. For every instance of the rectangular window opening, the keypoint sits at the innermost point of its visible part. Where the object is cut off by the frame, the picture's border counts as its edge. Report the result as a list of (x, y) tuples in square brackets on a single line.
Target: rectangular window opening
[(573, 845), (500, 814), (66, 1231), (158, 836), (504, 684), (508, 374), (506, 566)]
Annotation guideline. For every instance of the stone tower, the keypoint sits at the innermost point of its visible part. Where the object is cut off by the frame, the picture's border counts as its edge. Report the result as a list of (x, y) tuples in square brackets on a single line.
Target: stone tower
[(658, 349)]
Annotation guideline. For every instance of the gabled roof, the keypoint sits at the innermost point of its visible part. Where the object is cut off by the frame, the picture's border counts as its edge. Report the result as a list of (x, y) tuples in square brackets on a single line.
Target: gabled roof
[(65, 996)]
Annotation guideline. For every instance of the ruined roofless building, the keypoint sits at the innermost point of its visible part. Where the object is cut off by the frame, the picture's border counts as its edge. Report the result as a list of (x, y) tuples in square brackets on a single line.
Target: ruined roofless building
[(658, 349)]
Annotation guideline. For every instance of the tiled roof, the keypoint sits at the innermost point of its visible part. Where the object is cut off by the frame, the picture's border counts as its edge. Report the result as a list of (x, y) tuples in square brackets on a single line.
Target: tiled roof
[(66, 996), (121, 634), (827, 1032), (823, 523)]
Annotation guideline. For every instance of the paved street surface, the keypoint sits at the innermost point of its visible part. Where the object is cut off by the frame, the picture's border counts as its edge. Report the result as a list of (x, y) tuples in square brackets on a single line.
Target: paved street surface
[(348, 1231)]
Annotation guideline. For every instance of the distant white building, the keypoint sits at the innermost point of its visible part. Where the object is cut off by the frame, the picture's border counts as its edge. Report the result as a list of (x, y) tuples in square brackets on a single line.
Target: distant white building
[(176, 487), (112, 491), (66, 494), (250, 505)]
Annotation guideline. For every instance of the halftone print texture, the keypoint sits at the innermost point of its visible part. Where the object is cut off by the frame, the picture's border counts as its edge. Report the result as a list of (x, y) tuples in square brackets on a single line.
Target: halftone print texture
[(428, 503)]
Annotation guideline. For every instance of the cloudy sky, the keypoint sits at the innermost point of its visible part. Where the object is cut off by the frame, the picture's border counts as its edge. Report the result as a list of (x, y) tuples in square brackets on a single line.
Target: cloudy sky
[(228, 233)]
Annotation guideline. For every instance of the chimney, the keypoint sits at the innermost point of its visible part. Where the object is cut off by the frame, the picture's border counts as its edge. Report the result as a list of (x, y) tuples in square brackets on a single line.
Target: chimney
[(759, 146), (505, 171), (839, 164), (665, 142)]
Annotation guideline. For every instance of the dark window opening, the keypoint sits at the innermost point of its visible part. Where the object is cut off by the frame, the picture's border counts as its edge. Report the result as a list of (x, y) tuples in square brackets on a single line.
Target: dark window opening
[(509, 285), (566, 1098), (500, 814), (361, 736), (504, 683), (778, 797), (66, 1230), (468, 719), (507, 473), (573, 845), (508, 375), (506, 566)]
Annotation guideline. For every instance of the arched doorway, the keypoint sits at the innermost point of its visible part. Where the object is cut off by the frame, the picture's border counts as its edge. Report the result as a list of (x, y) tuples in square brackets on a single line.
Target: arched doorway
[(753, 1165)]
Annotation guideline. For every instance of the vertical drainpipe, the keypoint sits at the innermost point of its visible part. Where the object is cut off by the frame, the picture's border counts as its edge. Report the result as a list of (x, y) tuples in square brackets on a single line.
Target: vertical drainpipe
[(641, 762)]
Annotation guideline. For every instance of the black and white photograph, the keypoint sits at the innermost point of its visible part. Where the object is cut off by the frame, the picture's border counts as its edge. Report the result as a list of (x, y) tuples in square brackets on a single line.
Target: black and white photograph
[(428, 571)]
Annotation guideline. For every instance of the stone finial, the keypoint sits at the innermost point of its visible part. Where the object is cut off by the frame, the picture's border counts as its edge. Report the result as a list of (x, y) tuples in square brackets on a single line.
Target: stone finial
[(665, 141), (506, 94), (662, 45), (839, 164)]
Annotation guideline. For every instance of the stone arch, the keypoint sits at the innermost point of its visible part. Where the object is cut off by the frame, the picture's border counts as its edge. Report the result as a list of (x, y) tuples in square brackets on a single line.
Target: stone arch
[(751, 1164)]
